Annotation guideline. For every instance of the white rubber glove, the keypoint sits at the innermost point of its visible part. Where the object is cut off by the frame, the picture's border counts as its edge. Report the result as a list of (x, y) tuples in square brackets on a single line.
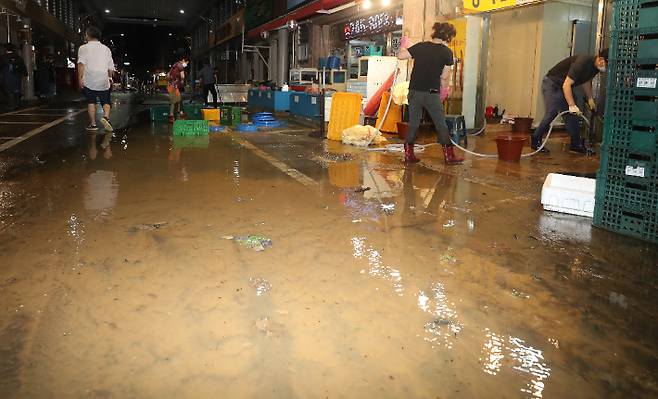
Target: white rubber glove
[(574, 109)]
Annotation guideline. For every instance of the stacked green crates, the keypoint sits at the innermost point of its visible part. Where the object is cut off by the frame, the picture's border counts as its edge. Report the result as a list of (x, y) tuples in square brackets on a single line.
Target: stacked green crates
[(184, 127), (627, 182)]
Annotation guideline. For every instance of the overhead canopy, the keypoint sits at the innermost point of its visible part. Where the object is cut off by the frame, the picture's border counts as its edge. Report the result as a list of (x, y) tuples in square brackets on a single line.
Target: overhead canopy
[(166, 12)]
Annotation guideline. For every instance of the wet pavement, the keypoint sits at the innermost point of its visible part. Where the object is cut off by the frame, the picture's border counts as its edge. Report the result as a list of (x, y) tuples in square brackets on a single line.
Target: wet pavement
[(274, 264)]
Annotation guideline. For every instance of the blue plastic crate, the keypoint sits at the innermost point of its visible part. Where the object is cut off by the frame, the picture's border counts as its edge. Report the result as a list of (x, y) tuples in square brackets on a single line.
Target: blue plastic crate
[(277, 101), (305, 105)]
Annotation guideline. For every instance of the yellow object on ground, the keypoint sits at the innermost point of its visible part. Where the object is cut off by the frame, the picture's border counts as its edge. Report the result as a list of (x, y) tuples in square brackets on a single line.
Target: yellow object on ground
[(345, 111), (210, 114), (392, 118), (362, 136), (400, 93)]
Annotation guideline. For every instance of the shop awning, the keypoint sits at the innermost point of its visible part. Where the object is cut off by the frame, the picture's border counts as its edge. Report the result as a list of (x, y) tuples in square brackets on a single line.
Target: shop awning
[(316, 7)]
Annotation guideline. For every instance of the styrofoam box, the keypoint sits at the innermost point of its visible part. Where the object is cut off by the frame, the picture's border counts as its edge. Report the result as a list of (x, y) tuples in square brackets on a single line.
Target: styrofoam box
[(569, 194)]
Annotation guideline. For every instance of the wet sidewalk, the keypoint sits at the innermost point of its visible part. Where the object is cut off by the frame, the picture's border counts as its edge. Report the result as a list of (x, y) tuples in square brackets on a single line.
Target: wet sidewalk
[(138, 265)]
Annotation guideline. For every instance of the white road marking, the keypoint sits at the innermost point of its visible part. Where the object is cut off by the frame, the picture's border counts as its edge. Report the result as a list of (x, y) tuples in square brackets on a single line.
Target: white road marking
[(38, 130), (40, 114), (21, 122), (292, 172), (20, 110)]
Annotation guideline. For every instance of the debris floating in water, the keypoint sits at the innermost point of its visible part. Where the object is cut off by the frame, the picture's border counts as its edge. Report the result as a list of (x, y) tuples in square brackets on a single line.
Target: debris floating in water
[(619, 300), (256, 242), (261, 285), (520, 294), (150, 226)]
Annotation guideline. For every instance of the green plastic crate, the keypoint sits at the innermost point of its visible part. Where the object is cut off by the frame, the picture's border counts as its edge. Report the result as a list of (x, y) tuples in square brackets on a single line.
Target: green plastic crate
[(645, 110), (236, 115), (226, 117), (636, 136), (619, 217), (193, 111), (647, 51), (190, 128), (648, 16), (617, 161), (159, 113)]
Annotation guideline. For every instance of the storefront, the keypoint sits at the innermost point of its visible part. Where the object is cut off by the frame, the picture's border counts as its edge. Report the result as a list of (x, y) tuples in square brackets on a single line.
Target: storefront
[(518, 43), (371, 35)]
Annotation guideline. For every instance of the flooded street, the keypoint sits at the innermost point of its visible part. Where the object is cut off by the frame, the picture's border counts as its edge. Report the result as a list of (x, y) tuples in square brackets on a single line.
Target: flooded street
[(276, 265)]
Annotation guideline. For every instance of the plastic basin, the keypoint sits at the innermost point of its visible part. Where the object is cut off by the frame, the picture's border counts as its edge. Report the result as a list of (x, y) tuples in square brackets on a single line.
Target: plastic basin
[(522, 125), (510, 147)]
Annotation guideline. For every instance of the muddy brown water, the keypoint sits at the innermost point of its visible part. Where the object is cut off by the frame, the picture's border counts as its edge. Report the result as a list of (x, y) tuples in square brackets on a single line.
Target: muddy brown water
[(119, 279)]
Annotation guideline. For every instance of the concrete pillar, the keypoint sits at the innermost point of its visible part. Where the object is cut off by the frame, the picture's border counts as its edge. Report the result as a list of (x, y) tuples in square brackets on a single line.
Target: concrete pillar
[(244, 68), (282, 59), (28, 58), (315, 44), (272, 73), (326, 40), (471, 68), (418, 18)]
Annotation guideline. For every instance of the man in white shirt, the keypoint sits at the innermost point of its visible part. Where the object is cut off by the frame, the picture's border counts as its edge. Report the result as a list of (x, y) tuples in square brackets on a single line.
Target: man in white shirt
[(95, 70)]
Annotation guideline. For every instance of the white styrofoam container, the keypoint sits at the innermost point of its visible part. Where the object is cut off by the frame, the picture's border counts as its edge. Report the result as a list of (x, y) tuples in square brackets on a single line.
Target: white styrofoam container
[(569, 194)]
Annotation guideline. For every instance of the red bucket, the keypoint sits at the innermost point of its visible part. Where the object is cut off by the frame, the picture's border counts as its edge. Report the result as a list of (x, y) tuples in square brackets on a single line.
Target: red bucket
[(522, 125), (510, 147)]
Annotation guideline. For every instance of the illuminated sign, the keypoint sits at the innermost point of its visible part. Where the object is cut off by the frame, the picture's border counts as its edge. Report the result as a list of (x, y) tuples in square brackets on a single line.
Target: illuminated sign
[(382, 22), (490, 5)]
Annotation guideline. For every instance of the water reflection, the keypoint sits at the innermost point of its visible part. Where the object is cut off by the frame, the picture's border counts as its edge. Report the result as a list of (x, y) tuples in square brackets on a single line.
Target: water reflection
[(101, 191), (555, 226), (522, 358), (236, 172), (445, 325), (76, 230), (105, 146), (377, 267)]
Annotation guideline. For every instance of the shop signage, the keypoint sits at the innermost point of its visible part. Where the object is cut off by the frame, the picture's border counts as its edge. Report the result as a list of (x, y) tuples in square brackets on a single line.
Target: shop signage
[(490, 5), (378, 23)]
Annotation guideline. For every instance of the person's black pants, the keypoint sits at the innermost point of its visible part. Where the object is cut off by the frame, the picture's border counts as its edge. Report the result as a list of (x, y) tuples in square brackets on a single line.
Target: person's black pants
[(419, 100), (555, 103), (210, 89)]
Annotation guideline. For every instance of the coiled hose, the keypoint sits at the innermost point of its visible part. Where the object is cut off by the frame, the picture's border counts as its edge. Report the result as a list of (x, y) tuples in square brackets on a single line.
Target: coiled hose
[(541, 147)]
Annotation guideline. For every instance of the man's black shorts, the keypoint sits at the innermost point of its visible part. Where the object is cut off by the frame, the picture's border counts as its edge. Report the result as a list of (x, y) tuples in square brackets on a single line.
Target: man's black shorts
[(92, 95)]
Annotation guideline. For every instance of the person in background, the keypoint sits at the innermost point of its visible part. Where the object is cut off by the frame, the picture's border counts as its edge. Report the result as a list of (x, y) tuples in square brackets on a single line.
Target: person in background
[(52, 76), (13, 71), (557, 89), (176, 81), (208, 80), (42, 77), (95, 71), (432, 67)]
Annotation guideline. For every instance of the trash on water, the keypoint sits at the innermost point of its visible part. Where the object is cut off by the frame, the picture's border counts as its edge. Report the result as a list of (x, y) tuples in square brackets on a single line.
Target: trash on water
[(261, 285), (150, 226), (618, 299), (520, 294), (447, 258), (256, 242)]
